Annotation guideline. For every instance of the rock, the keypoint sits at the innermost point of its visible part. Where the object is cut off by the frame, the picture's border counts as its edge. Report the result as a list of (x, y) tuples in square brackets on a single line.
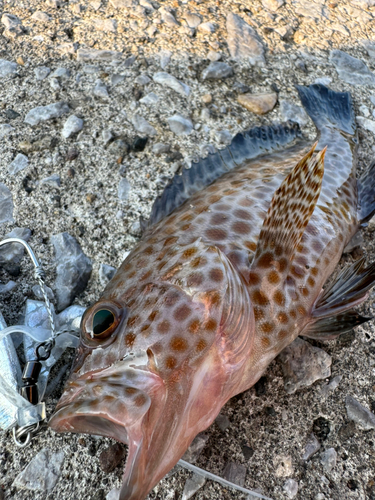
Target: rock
[(10, 21), (41, 72), (143, 126), (303, 364), (364, 110), (149, 99), (42, 473), (143, 80), (165, 58), (72, 125), (168, 18), (193, 20), (366, 123), (73, 269), (207, 98), (106, 273), (43, 113), (290, 111), (6, 204), (114, 494), (116, 79), (243, 41), (170, 81), (216, 71), (258, 103), (106, 25), (214, 56), (70, 318), (7, 68), (11, 114), (160, 148), (8, 287), (63, 73), (84, 55), (192, 486), (321, 428), (328, 459), (111, 456), (54, 83), (273, 5), (12, 253), (37, 291), (180, 125), (196, 447), (347, 431), (328, 388), (247, 452), (5, 129), (19, 163), (139, 143), (290, 486), (41, 17), (311, 447), (223, 136), (283, 466), (124, 189), (261, 387), (359, 414), (100, 90), (206, 28), (107, 136), (370, 47), (235, 473), (222, 422), (350, 69), (53, 180)]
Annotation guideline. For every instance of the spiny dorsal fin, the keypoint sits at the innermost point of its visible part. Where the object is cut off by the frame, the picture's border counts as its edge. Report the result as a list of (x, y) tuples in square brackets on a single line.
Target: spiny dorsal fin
[(245, 146), (290, 210)]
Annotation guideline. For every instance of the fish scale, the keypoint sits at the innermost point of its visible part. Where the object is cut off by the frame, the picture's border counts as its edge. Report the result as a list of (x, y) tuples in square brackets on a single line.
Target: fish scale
[(229, 271)]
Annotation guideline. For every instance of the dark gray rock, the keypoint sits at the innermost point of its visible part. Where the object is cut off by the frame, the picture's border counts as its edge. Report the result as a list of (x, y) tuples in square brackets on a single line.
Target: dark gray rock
[(73, 269), (303, 364), (222, 422), (106, 273), (243, 41), (359, 414), (351, 69), (235, 473), (216, 71), (6, 204), (196, 447), (312, 446)]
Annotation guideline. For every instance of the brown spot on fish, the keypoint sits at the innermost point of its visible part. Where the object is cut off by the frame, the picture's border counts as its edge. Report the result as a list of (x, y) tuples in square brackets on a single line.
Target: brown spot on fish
[(216, 234), (164, 326), (130, 339), (218, 219), (240, 227), (178, 344), (214, 198), (187, 217), (305, 291), (258, 313), (202, 344), (185, 227), (210, 325), (283, 318), (273, 277), (194, 279), (216, 275), (266, 260), (189, 252), (267, 327), (146, 275), (250, 245), (170, 362), (140, 400), (130, 391), (152, 316), (194, 326), (145, 330), (314, 271), (311, 281), (133, 320), (211, 298), (149, 250), (182, 312), (282, 334), (301, 310), (265, 342), (242, 214), (279, 298), (246, 202), (260, 298)]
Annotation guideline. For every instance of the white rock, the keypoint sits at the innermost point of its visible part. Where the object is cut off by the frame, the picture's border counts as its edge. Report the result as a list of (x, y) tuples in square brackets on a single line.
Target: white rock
[(168, 18), (40, 16), (143, 80), (206, 28), (291, 488), (43, 113), (42, 473), (143, 126), (180, 125), (6, 204), (223, 136), (63, 73), (41, 72), (100, 90), (106, 25), (214, 56), (149, 99), (328, 459), (366, 123), (364, 110), (123, 189), (170, 81), (113, 494), (10, 21), (72, 125), (5, 129), (324, 80), (53, 180), (19, 163), (7, 68), (165, 58), (243, 41), (97, 55), (273, 5), (54, 83)]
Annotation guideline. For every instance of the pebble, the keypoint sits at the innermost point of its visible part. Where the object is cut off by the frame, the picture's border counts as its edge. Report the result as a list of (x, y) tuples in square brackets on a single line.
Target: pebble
[(42, 473), (328, 388), (291, 488), (41, 17), (259, 104), (6, 204), (53, 180), (223, 136), (196, 447), (41, 72), (111, 456), (206, 28), (8, 287), (150, 99), (311, 447), (205, 114), (10, 21), (100, 89), (84, 55), (273, 5), (303, 364), (216, 71), (207, 98), (328, 459), (12, 253), (106, 273), (73, 269), (168, 18), (106, 25), (324, 80), (143, 126), (180, 125), (7, 68), (114, 494), (11, 114), (370, 47), (54, 83), (283, 466), (123, 189), (170, 81), (19, 163), (243, 41), (63, 73), (107, 136), (235, 473), (214, 56), (143, 80), (222, 422), (43, 113), (160, 148), (72, 125), (5, 129), (193, 20), (165, 58), (290, 111), (139, 143), (351, 69), (366, 123), (37, 291), (192, 486), (116, 79), (359, 414), (364, 110)]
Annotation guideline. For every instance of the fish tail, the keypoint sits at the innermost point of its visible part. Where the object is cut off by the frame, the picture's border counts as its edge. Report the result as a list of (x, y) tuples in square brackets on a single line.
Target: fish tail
[(366, 194), (328, 109)]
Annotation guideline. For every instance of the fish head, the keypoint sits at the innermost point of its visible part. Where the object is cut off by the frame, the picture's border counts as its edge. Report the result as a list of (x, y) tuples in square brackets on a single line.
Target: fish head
[(154, 369)]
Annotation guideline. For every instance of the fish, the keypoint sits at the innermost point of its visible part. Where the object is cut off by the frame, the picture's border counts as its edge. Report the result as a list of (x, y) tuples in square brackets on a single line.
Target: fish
[(232, 267)]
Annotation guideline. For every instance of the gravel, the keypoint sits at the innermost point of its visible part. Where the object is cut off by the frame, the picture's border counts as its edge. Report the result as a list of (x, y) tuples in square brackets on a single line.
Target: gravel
[(272, 45)]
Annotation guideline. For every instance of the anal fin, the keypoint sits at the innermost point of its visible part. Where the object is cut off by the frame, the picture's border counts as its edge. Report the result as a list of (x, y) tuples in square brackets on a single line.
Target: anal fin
[(333, 326)]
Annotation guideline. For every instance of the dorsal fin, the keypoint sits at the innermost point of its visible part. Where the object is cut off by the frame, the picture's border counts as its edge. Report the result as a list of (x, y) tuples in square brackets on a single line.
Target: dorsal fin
[(290, 210), (245, 146)]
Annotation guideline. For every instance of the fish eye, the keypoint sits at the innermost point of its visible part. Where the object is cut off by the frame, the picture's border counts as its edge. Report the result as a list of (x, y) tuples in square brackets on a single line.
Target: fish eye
[(100, 321)]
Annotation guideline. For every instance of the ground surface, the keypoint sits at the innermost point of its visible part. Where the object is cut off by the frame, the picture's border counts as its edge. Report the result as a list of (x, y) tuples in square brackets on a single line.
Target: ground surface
[(297, 38)]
